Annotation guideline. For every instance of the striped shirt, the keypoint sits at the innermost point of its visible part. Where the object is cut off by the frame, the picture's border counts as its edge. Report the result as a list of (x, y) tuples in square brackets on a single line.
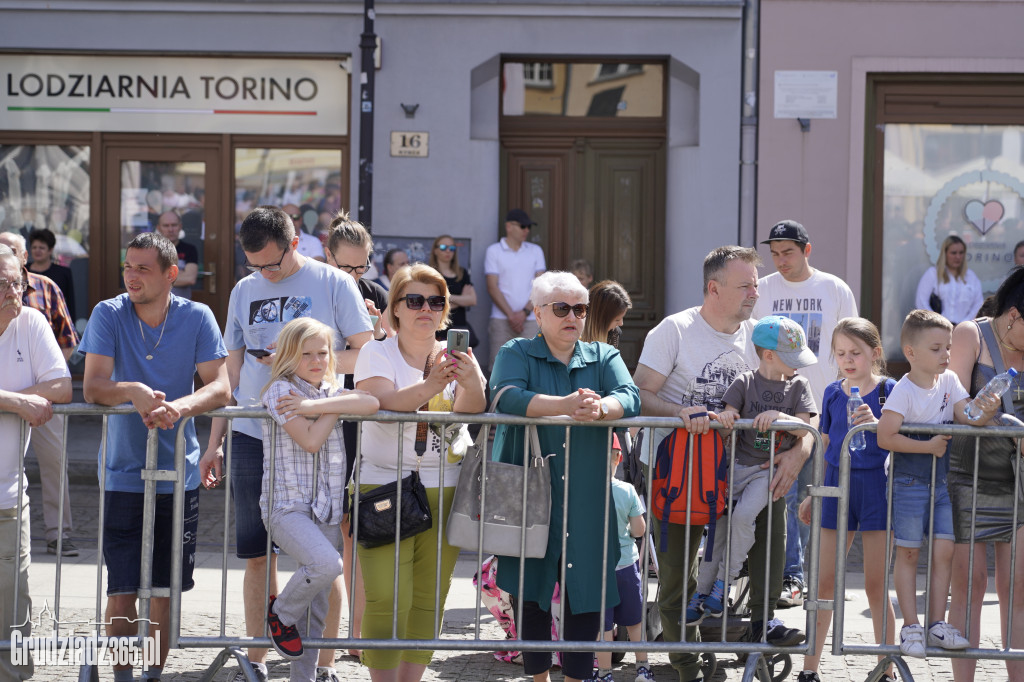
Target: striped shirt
[(44, 295), (293, 469)]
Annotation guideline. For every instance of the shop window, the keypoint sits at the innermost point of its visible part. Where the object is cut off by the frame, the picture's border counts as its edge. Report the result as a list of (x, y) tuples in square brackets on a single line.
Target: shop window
[(941, 180), (47, 186), (306, 182)]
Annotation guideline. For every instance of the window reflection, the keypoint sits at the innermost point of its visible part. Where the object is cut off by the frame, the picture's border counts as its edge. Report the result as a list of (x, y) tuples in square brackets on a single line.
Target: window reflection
[(304, 182), (611, 90), (47, 186), (939, 180)]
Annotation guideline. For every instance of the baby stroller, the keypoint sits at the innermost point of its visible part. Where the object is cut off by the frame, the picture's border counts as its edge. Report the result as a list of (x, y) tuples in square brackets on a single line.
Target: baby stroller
[(738, 612)]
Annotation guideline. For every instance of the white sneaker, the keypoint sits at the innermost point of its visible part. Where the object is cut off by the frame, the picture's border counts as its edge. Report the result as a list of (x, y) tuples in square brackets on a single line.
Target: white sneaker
[(912, 641), (943, 635)]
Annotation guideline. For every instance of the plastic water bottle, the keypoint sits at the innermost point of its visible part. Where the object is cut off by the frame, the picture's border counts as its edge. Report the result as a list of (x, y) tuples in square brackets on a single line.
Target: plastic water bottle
[(995, 388), (858, 442)]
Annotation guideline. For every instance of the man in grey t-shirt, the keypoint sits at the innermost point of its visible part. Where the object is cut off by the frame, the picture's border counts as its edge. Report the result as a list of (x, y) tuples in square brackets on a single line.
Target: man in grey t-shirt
[(284, 285), (687, 363)]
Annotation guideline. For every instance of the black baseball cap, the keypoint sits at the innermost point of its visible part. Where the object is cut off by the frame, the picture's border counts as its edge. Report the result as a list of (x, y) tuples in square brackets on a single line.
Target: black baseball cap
[(788, 231), (518, 215)]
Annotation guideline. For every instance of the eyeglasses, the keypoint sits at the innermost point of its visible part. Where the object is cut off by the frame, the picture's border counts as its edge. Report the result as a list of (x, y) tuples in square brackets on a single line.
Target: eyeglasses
[(562, 309), (18, 286), (446, 247), (273, 267), (416, 301), (353, 269)]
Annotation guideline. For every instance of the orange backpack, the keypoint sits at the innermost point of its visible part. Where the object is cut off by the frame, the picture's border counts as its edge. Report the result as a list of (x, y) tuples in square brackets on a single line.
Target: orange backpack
[(673, 480)]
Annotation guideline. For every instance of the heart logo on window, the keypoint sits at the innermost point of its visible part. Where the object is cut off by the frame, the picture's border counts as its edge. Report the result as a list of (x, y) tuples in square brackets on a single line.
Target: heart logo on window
[(983, 216)]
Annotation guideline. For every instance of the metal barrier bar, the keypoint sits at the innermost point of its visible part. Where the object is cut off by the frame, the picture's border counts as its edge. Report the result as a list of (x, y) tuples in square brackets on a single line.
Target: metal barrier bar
[(173, 628), (1009, 428)]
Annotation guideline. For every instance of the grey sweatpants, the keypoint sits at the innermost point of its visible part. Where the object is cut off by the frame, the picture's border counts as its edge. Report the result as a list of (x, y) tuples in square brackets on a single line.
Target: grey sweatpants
[(314, 546)]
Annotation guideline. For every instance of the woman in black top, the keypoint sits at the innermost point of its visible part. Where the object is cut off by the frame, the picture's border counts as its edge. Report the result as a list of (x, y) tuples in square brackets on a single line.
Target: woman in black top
[(445, 259), (42, 242)]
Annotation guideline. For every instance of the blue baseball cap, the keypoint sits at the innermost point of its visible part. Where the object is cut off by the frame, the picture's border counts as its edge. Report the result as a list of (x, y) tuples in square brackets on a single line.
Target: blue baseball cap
[(786, 338)]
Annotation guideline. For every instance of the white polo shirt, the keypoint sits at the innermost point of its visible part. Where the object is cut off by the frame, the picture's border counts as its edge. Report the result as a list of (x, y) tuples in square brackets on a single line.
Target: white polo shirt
[(515, 271)]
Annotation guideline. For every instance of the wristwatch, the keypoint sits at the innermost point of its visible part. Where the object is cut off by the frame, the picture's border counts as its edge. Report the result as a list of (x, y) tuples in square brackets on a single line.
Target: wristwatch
[(604, 410)]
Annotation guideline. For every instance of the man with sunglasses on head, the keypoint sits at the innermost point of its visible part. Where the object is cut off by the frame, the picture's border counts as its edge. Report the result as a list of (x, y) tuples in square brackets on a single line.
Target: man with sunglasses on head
[(511, 266), (283, 285), (34, 377)]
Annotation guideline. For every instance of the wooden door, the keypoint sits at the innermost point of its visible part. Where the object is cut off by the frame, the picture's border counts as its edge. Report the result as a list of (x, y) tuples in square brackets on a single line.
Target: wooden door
[(601, 199), (143, 180)]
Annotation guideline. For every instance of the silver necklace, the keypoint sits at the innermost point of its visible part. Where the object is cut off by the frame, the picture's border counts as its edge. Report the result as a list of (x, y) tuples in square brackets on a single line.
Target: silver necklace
[(149, 355)]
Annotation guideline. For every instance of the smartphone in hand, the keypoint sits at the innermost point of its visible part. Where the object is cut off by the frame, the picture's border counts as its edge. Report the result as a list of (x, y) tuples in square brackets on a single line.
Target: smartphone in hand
[(458, 340), (257, 352)]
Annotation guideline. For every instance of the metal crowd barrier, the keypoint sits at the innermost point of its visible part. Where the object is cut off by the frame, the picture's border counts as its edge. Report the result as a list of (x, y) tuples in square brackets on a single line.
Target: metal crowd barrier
[(760, 656), (890, 654)]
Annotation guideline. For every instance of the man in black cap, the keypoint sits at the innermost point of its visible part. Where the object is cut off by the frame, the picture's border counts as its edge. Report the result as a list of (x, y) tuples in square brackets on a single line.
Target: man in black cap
[(817, 301), (510, 266)]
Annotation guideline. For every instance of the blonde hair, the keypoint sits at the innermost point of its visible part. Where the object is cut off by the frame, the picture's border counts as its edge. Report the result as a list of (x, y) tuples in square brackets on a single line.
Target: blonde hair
[(432, 260), (289, 351), (941, 274), (424, 274), (867, 333)]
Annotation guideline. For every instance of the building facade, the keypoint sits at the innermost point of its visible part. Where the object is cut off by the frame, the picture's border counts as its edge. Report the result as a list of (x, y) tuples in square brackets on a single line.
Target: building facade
[(615, 125)]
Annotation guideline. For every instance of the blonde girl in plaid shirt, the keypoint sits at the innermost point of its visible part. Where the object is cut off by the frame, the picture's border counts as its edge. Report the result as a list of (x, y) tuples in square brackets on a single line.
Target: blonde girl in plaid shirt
[(303, 512)]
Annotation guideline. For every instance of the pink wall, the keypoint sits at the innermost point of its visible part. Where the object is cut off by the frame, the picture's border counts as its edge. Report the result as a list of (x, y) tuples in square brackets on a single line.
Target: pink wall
[(816, 177)]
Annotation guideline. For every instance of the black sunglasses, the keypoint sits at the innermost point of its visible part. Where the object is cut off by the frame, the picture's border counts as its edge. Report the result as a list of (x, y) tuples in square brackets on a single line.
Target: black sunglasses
[(562, 309), (415, 302)]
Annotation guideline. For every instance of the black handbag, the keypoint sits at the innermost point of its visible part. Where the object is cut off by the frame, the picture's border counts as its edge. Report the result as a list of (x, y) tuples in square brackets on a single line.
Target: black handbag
[(378, 509), (935, 302)]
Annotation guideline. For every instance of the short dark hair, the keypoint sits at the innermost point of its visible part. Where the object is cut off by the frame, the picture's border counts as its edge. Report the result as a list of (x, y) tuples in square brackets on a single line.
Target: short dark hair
[(716, 261), (1017, 246), (43, 235), (166, 253), (389, 257), (266, 224)]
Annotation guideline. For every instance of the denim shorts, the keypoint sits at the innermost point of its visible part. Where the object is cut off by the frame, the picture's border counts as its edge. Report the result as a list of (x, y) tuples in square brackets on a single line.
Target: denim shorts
[(911, 511), (630, 608), (246, 486), (867, 500), (122, 540)]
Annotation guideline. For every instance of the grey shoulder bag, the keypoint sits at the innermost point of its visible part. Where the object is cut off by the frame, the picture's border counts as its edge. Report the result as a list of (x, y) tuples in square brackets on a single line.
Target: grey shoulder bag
[(503, 508)]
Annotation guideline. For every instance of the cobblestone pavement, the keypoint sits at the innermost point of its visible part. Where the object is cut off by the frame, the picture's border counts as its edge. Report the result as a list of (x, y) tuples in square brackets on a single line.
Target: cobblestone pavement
[(201, 606)]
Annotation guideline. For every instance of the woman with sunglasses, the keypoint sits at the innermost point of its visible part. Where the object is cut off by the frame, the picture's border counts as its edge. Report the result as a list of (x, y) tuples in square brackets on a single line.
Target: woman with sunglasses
[(411, 371), (555, 374), (445, 259)]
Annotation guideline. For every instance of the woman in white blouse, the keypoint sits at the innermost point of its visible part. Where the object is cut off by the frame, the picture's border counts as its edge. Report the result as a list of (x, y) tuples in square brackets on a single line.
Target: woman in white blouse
[(949, 287)]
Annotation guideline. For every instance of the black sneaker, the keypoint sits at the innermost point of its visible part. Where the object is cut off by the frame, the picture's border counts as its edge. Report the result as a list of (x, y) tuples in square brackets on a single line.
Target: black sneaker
[(285, 637), (792, 593), (808, 676), (778, 633)]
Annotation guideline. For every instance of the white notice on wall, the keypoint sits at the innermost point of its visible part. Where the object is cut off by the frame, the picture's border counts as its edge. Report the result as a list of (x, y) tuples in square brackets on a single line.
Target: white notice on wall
[(806, 94)]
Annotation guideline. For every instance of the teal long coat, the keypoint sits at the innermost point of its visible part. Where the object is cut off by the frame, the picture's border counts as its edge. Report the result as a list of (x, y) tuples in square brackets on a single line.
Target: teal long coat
[(528, 366)]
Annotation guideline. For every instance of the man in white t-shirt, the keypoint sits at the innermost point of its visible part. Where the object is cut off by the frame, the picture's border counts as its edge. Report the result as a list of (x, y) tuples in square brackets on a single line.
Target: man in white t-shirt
[(687, 363), (283, 285), (510, 266), (33, 376), (817, 301)]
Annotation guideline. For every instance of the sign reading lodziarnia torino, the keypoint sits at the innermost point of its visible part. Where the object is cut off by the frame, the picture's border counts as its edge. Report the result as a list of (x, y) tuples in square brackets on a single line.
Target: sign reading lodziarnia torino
[(173, 94)]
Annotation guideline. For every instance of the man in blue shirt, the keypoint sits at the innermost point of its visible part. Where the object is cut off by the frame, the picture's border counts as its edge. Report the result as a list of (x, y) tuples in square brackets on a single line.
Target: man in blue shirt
[(144, 347)]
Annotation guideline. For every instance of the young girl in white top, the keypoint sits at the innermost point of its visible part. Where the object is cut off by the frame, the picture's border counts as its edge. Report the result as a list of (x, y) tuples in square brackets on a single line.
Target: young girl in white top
[(303, 509)]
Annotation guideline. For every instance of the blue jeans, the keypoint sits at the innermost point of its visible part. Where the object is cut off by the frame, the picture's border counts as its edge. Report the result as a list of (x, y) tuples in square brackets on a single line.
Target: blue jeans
[(797, 534)]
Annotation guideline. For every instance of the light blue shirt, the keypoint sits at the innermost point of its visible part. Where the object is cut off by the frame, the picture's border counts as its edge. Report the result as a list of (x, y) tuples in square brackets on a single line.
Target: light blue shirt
[(190, 337), (259, 309), (627, 505)]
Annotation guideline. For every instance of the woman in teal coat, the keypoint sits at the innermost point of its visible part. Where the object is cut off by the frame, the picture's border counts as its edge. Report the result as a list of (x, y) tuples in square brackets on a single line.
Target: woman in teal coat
[(554, 374)]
